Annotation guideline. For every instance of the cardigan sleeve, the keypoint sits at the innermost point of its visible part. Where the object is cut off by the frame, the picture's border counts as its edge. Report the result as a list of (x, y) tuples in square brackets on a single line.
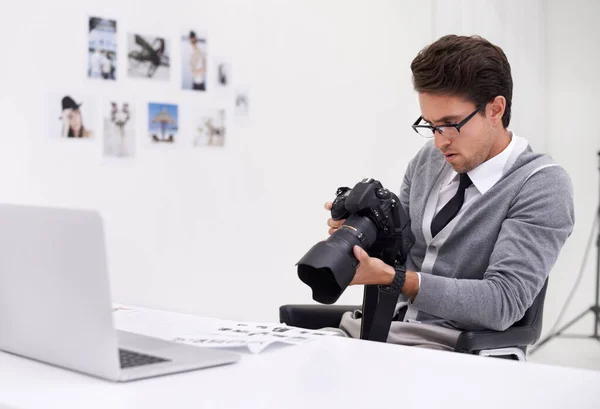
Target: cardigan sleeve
[(539, 221)]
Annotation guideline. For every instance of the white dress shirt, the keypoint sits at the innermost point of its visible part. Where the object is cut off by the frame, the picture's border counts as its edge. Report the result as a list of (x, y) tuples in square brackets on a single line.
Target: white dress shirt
[(483, 177)]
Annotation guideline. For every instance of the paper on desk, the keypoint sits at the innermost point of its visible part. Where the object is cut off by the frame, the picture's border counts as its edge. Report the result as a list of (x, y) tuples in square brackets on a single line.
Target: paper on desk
[(210, 332)]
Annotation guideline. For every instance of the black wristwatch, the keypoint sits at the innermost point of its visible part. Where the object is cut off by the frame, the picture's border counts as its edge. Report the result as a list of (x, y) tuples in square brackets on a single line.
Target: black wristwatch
[(398, 281)]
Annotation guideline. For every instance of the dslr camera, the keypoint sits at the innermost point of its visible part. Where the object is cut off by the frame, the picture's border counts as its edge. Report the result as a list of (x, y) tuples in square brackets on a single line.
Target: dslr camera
[(375, 221)]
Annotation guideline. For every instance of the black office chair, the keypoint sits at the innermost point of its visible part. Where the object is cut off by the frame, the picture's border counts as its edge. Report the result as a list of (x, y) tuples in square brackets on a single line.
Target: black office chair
[(509, 344)]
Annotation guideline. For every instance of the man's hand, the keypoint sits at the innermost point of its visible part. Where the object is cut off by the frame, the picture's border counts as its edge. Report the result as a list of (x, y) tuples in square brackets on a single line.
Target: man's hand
[(373, 271), (333, 224)]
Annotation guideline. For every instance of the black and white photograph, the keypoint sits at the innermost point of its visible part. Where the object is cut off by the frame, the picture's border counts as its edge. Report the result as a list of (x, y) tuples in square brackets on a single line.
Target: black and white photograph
[(118, 129), (148, 57), (223, 73), (281, 329), (102, 48)]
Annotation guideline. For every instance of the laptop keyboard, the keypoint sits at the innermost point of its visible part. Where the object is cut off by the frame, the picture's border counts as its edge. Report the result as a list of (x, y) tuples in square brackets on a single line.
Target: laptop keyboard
[(130, 359)]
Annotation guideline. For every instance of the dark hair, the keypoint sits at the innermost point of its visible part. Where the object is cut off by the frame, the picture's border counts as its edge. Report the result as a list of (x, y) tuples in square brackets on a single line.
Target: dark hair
[(468, 67)]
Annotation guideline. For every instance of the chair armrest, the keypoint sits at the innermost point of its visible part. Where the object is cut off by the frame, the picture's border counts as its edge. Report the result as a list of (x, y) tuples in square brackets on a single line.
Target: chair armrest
[(470, 341), (313, 316)]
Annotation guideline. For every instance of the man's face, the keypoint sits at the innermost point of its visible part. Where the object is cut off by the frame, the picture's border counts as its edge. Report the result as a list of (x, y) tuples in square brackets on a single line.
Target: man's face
[(473, 144)]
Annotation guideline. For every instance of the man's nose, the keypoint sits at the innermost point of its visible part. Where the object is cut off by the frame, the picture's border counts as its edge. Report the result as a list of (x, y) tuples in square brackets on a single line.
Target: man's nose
[(440, 140)]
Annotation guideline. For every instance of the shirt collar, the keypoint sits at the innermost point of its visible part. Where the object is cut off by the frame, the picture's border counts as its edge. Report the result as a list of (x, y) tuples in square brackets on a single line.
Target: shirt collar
[(490, 172)]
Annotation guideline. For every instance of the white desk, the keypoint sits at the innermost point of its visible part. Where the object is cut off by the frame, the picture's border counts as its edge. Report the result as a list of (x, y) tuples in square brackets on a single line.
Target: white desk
[(332, 372)]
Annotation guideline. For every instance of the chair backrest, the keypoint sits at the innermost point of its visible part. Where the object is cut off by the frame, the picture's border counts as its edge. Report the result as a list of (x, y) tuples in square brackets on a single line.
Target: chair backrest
[(534, 315)]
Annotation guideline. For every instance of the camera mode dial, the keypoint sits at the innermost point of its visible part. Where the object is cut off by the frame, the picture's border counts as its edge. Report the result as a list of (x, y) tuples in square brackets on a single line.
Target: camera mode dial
[(382, 193)]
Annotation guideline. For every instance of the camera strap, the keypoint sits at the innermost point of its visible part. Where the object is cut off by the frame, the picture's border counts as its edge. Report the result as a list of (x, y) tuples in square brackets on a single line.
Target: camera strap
[(378, 312), (370, 296)]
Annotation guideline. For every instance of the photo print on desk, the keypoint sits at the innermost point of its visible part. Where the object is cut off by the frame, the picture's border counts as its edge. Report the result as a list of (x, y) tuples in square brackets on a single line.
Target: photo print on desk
[(72, 116), (281, 329), (148, 57), (194, 60), (102, 48), (163, 122), (119, 129)]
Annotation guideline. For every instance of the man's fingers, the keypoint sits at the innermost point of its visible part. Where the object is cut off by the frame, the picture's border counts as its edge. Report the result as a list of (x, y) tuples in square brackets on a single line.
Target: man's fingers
[(335, 223)]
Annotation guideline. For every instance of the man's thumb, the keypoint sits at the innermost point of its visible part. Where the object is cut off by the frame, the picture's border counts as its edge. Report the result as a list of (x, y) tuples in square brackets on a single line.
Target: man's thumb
[(359, 253)]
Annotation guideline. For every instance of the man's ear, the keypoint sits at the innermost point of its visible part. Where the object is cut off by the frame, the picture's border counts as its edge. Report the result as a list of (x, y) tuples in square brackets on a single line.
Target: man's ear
[(496, 110)]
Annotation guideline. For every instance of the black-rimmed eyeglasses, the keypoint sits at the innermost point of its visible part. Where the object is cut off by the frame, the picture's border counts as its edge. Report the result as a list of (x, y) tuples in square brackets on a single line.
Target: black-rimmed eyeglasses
[(448, 130)]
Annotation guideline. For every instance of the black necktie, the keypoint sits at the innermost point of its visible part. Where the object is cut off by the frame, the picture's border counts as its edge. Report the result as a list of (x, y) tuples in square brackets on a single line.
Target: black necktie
[(450, 210)]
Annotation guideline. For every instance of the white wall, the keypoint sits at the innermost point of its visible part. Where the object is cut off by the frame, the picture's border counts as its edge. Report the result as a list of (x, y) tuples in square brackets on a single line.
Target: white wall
[(573, 139), (217, 232), (517, 27)]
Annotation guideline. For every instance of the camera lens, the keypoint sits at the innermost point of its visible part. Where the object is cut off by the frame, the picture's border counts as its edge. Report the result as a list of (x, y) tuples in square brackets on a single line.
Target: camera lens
[(329, 266)]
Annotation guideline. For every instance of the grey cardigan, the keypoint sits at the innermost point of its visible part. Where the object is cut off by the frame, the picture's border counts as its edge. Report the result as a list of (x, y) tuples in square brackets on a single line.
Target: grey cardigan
[(484, 269)]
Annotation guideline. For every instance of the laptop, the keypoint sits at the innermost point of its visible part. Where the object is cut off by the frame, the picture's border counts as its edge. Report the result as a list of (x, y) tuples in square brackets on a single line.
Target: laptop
[(55, 303)]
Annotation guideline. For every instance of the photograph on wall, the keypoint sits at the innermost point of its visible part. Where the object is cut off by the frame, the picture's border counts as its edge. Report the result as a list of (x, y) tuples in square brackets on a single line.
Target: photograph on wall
[(210, 129), (72, 116), (148, 57), (119, 129), (223, 73), (102, 48), (194, 61), (241, 106), (163, 124)]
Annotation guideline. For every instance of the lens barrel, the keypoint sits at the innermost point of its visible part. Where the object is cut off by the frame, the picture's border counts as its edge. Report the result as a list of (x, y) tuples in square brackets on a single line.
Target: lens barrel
[(329, 266)]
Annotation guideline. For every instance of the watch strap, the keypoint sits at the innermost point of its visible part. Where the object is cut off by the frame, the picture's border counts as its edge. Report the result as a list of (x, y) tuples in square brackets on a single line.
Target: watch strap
[(397, 283)]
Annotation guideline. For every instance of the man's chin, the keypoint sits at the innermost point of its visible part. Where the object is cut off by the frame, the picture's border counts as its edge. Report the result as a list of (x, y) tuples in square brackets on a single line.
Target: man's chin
[(460, 165), (458, 168)]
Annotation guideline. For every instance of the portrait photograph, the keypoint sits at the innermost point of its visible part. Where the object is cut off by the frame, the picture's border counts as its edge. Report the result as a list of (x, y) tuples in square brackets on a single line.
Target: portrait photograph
[(194, 61), (72, 116)]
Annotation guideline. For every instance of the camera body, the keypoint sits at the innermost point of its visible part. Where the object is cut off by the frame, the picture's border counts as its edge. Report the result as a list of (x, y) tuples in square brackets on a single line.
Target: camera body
[(374, 220), (370, 199)]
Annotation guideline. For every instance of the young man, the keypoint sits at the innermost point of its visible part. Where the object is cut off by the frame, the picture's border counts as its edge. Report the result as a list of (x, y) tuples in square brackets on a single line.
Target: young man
[(489, 215)]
